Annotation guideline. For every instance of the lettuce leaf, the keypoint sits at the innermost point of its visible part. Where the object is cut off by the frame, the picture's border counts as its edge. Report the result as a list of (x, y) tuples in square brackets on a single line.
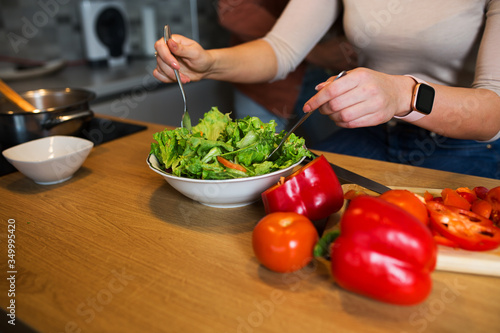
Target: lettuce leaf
[(246, 141)]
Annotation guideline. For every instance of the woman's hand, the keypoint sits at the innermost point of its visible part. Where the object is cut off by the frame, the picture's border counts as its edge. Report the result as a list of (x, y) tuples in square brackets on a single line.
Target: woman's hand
[(183, 54), (363, 98)]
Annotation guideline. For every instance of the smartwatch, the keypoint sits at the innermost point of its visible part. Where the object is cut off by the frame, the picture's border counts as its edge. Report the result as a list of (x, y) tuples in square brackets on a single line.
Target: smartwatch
[(421, 102)]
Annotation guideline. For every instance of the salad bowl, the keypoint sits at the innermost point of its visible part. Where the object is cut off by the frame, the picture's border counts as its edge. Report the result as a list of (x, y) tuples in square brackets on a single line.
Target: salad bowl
[(227, 193)]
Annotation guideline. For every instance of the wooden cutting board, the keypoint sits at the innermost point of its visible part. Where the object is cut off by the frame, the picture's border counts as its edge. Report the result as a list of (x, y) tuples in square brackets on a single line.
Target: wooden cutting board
[(449, 259)]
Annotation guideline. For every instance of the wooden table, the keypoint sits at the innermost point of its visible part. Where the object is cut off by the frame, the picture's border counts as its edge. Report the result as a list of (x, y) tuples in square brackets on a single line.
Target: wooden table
[(116, 249)]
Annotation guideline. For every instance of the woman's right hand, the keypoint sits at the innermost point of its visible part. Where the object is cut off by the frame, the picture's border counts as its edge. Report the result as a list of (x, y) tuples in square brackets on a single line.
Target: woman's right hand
[(184, 54)]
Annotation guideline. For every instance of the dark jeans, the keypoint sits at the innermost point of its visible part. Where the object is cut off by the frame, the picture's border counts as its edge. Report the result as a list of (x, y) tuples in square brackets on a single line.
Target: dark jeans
[(404, 143)]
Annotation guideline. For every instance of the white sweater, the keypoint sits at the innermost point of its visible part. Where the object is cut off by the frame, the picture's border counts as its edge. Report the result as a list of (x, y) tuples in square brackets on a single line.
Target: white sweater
[(450, 42)]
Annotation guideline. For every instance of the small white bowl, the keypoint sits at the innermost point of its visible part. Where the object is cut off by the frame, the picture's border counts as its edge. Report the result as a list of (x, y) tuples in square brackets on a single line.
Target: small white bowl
[(227, 193), (49, 160)]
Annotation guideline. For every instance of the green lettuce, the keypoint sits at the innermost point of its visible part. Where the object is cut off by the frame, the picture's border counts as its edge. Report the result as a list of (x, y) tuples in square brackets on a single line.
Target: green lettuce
[(246, 142)]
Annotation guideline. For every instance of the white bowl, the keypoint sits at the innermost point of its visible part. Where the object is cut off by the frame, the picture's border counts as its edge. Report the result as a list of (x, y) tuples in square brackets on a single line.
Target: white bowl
[(49, 160), (227, 193)]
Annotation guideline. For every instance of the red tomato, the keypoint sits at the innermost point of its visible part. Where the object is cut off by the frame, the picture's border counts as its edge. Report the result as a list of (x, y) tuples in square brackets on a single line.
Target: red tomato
[(409, 202), (480, 192), (284, 241), (493, 197), (452, 198), (467, 229)]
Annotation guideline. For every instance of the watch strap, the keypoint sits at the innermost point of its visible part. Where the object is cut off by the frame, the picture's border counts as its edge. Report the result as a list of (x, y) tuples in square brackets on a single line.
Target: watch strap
[(413, 115)]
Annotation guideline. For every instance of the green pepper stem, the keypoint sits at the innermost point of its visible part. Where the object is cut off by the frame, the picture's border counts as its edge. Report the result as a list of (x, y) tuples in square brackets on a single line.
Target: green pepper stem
[(322, 247)]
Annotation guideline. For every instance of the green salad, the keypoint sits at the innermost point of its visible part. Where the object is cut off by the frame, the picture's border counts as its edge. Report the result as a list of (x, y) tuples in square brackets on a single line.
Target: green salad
[(220, 148)]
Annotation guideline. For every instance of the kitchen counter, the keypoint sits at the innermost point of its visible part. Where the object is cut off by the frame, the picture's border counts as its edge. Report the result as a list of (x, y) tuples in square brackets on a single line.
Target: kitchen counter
[(116, 249)]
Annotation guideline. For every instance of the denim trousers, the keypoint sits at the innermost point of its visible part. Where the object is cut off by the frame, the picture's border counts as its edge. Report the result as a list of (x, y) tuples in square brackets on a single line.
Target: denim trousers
[(404, 143)]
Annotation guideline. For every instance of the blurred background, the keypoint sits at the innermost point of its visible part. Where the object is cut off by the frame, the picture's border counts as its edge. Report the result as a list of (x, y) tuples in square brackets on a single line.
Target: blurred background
[(107, 46)]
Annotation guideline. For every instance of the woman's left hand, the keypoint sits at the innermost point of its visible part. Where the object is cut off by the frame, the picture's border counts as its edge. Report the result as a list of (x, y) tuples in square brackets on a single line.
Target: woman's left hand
[(363, 98)]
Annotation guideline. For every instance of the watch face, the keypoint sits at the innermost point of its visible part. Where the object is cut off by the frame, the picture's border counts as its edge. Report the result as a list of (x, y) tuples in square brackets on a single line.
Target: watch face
[(424, 99)]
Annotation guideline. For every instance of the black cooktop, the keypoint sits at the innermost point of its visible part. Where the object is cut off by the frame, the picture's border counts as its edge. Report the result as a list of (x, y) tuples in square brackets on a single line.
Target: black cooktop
[(98, 130)]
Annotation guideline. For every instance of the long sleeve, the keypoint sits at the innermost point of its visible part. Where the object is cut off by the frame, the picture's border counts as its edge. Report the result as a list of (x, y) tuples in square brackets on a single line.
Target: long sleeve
[(298, 30)]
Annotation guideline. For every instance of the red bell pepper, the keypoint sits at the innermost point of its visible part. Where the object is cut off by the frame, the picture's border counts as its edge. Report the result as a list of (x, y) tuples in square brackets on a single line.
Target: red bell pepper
[(383, 252), (313, 191), (453, 198), (467, 229)]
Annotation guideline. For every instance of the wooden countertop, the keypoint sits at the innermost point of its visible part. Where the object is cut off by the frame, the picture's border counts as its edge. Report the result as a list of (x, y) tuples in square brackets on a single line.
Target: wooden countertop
[(116, 249)]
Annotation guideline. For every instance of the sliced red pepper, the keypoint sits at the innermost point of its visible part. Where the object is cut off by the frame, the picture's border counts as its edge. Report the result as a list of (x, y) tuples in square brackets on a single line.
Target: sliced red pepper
[(482, 207), (229, 164), (441, 240), (469, 230), (314, 191), (428, 196), (467, 194), (383, 252), (452, 198)]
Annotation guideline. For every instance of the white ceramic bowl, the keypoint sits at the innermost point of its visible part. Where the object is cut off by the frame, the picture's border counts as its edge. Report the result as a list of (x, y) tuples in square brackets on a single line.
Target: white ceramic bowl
[(49, 160), (227, 193)]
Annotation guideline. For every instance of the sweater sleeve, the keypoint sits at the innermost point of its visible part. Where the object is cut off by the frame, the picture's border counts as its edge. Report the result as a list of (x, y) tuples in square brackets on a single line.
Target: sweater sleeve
[(298, 30), (488, 66)]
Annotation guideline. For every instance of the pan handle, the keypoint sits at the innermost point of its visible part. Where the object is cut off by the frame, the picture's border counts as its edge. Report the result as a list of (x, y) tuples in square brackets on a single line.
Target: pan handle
[(84, 115)]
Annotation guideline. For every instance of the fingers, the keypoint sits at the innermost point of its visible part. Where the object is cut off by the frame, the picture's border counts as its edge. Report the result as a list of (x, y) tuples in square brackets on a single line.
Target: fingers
[(166, 62), (164, 53), (323, 84), (362, 98), (357, 115), (328, 91)]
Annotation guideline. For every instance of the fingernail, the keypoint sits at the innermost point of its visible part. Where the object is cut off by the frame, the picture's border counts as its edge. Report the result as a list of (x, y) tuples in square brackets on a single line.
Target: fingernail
[(307, 108), (320, 86)]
